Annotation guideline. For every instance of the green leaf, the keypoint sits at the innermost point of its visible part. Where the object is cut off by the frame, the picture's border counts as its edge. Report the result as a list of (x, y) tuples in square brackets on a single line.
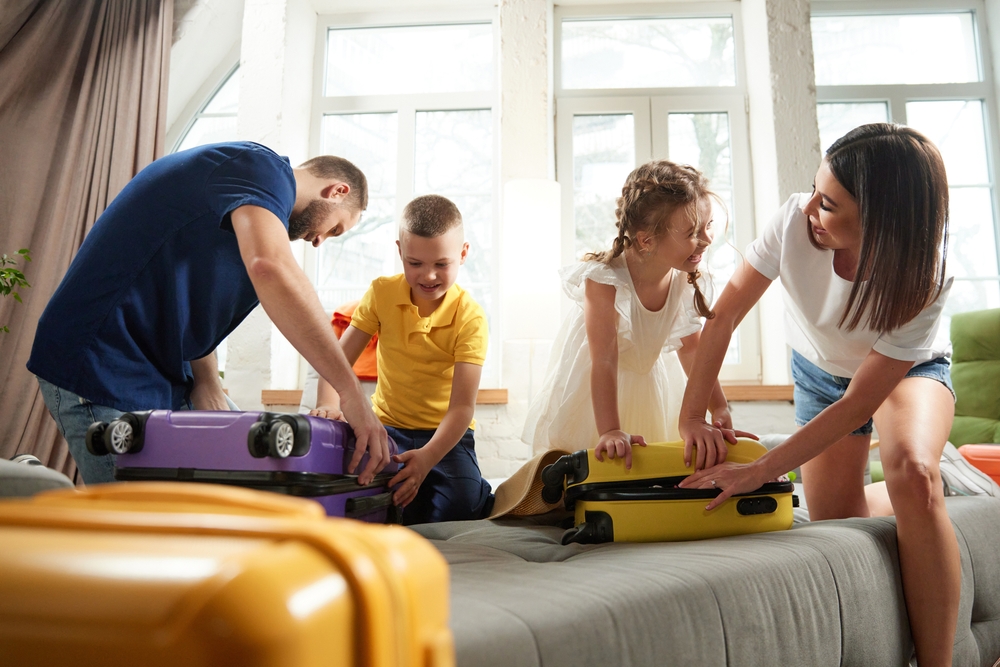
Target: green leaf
[(17, 297)]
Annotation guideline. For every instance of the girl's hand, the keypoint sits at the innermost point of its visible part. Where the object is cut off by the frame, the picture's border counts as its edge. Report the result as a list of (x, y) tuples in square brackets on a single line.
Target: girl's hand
[(410, 477), (618, 444), (328, 411), (729, 478)]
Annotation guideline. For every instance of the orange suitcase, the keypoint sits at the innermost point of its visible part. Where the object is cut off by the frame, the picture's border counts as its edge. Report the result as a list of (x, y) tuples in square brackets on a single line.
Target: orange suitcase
[(984, 457), (169, 573)]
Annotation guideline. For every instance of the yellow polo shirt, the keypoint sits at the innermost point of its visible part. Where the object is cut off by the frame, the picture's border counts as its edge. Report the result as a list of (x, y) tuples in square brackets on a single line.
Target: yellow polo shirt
[(417, 355)]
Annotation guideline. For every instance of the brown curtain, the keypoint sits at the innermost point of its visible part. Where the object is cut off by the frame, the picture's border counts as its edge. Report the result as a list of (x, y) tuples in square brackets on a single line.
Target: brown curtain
[(82, 108)]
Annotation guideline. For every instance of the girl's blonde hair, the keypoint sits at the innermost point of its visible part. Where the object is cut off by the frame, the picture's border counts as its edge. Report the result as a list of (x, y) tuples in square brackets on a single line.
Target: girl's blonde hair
[(651, 194)]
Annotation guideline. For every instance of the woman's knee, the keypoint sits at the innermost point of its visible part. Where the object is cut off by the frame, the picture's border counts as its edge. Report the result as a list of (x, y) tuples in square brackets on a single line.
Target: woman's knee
[(913, 481)]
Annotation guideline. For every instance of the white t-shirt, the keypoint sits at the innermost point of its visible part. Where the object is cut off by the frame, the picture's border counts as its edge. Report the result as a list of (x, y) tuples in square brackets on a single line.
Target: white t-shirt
[(815, 298)]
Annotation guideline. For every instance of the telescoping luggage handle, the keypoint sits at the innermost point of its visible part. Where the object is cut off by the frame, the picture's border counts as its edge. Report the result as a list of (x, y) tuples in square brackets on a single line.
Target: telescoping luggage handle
[(362, 552)]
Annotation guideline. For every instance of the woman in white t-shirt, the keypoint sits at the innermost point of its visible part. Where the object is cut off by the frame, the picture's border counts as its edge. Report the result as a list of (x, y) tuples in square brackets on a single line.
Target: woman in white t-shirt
[(861, 261)]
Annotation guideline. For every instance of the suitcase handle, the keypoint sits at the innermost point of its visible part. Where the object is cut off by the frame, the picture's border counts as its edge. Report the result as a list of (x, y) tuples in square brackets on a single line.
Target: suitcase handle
[(359, 506)]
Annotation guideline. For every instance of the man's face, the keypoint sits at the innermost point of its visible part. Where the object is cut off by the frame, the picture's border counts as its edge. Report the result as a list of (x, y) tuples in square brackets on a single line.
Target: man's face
[(322, 219), (430, 265)]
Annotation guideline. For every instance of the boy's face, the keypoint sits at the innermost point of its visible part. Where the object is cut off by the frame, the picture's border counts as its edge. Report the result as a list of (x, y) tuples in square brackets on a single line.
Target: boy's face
[(430, 265)]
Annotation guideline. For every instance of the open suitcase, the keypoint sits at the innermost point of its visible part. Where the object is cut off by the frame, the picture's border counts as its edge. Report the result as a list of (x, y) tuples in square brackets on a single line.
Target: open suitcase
[(644, 504), (165, 574), (288, 453)]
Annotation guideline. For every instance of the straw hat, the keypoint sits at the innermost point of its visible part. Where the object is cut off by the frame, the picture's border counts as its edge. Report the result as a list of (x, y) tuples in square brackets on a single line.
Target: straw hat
[(521, 494)]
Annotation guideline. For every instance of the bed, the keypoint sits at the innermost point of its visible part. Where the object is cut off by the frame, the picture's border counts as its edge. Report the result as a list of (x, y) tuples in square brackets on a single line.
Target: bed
[(825, 593)]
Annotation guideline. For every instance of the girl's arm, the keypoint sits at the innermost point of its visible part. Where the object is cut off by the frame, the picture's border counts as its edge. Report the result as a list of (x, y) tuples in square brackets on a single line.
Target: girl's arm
[(877, 377), (741, 293), (601, 322)]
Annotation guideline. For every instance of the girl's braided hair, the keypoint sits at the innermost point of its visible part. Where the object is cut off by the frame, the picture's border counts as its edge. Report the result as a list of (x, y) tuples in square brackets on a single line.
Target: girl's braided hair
[(651, 194)]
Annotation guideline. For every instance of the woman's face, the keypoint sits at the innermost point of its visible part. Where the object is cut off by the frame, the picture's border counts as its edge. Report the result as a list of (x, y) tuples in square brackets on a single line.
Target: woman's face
[(833, 213)]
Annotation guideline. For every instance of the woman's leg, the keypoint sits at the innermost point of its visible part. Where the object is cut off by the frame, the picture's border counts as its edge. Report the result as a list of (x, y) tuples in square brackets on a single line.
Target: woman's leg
[(913, 425), (834, 481)]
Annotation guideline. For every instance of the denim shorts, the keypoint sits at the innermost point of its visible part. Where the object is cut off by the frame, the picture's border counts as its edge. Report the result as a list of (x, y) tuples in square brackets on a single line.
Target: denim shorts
[(815, 389)]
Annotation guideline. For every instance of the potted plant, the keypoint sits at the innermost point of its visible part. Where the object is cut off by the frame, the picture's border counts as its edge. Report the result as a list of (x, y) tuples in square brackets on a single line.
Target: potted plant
[(12, 279)]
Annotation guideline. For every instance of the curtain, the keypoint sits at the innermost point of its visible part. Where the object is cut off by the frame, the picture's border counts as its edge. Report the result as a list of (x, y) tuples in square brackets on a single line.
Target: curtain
[(82, 110)]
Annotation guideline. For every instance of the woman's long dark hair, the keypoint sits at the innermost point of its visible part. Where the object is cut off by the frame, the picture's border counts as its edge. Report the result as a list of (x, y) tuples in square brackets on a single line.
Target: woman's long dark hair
[(898, 179)]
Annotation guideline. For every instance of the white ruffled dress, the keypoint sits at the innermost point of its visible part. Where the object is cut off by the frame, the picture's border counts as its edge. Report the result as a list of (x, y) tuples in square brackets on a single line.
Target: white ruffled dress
[(650, 377)]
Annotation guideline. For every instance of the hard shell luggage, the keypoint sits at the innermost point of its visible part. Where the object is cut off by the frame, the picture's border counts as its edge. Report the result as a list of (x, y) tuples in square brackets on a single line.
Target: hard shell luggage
[(167, 574), (984, 457), (293, 454), (643, 504)]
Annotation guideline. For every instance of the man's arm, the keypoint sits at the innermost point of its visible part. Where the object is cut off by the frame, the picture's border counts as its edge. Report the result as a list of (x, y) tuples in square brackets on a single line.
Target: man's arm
[(461, 408), (353, 342), (291, 302), (207, 393)]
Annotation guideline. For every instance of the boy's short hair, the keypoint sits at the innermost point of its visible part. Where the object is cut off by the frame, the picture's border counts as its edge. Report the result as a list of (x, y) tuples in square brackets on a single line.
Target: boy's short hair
[(429, 216), (333, 167)]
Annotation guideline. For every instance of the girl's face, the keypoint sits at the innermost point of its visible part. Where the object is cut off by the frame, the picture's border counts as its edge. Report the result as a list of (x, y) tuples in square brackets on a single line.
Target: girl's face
[(833, 213), (683, 244)]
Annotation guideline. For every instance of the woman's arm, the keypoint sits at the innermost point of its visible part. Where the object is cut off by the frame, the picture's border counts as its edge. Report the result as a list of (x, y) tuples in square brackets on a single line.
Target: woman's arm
[(741, 293), (871, 385)]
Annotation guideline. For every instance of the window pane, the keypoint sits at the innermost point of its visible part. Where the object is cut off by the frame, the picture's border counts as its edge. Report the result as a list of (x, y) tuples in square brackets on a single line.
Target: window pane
[(648, 53), (603, 156), (972, 248), (453, 157), (895, 48), (227, 100), (956, 127), (209, 131), (702, 140), (836, 120), (346, 265), (412, 59)]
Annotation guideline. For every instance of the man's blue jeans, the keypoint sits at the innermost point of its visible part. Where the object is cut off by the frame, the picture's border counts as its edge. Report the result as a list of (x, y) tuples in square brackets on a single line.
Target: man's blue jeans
[(74, 415)]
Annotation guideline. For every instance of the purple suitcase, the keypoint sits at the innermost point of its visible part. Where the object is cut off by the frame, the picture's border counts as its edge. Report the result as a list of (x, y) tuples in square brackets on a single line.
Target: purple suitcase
[(289, 453)]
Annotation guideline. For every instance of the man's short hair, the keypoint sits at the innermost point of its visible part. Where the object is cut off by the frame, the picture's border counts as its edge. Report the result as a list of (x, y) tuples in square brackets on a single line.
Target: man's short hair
[(333, 167), (429, 216)]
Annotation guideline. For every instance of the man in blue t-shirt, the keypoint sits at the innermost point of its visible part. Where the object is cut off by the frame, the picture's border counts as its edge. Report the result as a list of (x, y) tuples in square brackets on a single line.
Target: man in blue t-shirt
[(181, 256)]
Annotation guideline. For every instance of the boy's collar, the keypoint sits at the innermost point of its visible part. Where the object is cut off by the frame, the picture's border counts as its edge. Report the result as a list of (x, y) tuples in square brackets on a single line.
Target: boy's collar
[(443, 315)]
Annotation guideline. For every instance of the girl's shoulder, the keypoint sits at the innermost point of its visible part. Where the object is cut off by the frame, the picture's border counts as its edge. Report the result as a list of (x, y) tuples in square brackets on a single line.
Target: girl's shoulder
[(575, 276)]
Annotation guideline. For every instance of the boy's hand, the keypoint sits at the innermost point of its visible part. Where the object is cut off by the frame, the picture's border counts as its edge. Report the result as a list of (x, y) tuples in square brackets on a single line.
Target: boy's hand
[(410, 477), (618, 444), (327, 411)]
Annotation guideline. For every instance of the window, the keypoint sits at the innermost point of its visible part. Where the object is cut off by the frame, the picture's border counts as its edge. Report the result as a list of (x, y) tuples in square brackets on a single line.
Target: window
[(216, 121), (416, 120), (634, 88), (923, 68)]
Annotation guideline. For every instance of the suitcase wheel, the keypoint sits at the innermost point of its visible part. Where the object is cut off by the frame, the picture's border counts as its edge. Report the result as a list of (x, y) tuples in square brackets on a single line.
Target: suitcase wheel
[(123, 435), (95, 438), (281, 437), (257, 440)]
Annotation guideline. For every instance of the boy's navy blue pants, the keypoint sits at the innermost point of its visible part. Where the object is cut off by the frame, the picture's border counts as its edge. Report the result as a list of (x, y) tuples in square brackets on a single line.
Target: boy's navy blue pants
[(454, 489)]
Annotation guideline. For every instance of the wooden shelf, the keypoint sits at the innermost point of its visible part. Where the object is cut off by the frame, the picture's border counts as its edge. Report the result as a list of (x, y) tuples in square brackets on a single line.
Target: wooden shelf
[(757, 392), (294, 397)]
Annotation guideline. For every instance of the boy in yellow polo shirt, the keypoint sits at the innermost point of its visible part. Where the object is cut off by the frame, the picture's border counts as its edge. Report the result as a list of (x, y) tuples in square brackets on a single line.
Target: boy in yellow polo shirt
[(431, 350)]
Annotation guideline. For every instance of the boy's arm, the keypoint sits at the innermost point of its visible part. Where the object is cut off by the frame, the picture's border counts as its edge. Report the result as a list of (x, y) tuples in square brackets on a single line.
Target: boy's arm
[(207, 394), (353, 343), (461, 408)]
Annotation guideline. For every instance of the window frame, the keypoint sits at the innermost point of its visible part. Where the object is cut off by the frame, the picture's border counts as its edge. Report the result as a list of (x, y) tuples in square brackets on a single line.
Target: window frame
[(896, 96), (406, 107), (651, 140), (231, 71)]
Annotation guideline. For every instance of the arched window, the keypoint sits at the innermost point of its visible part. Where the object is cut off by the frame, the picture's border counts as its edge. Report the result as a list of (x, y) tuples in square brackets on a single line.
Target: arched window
[(216, 121)]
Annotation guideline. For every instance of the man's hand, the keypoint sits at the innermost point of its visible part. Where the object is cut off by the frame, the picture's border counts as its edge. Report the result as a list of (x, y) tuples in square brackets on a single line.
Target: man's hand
[(369, 435), (410, 477)]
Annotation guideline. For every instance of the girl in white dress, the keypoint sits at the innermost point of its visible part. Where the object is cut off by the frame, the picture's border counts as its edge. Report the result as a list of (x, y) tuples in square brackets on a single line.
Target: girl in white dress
[(615, 377)]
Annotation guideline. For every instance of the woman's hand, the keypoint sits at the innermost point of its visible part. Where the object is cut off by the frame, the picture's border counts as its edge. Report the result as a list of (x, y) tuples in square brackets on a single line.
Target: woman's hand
[(410, 478), (618, 444), (729, 478)]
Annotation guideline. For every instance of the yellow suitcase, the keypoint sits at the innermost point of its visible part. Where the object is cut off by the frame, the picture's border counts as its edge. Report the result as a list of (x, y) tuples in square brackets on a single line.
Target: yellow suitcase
[(169, 573), (643, 504)]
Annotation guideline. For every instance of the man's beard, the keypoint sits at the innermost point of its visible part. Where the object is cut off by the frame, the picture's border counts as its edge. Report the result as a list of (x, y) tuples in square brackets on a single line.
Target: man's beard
[(307, 221)]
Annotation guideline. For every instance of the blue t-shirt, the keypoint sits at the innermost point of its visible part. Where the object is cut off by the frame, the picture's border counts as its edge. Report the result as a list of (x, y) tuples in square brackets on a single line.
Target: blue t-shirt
[(159, 279)]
